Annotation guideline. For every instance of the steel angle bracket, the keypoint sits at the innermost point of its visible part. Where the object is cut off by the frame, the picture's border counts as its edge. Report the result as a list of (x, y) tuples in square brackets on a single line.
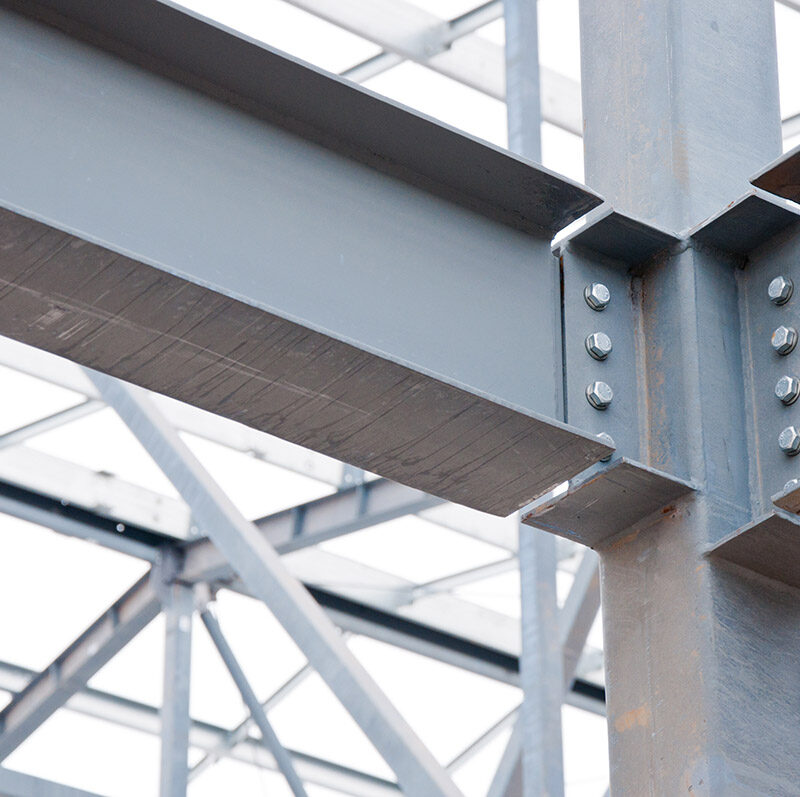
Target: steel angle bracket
[(770, 545), (606, 500), (782, 176), (758, 236), (611, 250), (243, 232)]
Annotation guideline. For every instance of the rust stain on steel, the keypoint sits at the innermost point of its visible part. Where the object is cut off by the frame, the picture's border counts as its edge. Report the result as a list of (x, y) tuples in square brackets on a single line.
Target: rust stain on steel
[(637, 717), (624, 540)]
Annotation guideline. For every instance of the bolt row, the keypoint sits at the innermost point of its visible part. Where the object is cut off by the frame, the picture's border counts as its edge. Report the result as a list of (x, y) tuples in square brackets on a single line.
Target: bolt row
[(783, 341), (598, 346)]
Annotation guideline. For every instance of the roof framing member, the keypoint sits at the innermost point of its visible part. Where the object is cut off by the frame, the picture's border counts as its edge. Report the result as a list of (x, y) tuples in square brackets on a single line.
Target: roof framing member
[(260, 568), (204, 736), (72, 669), (455, 423), (18, 784)]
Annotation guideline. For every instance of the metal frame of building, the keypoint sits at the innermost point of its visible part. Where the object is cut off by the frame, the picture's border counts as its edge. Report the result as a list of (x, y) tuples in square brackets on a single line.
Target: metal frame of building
[(255, 248)]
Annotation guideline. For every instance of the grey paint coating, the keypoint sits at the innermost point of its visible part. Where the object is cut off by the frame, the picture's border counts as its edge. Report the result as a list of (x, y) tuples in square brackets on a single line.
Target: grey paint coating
[(204, 190), (123, 317)]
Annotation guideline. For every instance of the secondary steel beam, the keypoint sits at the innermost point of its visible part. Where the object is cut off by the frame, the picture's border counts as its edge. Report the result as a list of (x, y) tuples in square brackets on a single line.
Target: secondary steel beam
[(54, 421), (175, 718), (207, 737), (260, 568), (257, 712), (252, 341), (18, 784), (241, 732), (71, 670)]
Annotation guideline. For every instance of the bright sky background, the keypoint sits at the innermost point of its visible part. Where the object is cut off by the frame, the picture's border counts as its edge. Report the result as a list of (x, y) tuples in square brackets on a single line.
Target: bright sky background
[(53, 586)]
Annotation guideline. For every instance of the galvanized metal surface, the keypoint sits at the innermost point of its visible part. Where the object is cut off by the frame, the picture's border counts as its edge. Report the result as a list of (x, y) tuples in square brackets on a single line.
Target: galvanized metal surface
[(607, 500), (769, 545)]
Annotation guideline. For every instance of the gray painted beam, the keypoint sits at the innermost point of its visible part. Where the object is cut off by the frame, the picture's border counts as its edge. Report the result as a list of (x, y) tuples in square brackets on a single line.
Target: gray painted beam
[(71, 670), (18, 784), (175, 717), (257, 712), (261, 570), (428, 404), (782, 176)]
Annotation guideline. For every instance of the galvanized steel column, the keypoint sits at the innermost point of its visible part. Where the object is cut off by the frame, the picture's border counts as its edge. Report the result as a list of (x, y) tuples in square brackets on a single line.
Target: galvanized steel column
[(175, 718), (681, 106)]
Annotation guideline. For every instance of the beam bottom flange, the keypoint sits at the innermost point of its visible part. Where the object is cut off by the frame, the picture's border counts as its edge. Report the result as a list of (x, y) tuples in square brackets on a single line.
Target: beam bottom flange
[(769, 545), (605, 500)]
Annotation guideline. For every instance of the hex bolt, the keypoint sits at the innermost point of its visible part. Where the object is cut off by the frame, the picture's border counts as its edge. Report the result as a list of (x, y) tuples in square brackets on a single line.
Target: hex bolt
[(598, 344), (789, 441), (780, 290), (787, 389), (599, 395), (784, 339), (606, 438), (597, 296)]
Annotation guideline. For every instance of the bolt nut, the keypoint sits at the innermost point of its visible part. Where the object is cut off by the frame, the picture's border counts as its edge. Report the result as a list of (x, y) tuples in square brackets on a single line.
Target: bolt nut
[(789, 441), (787, 389), (599, 395), (598, 344), (784, 339), (606, 438), (780, 290), (791, 484), (597, 296)]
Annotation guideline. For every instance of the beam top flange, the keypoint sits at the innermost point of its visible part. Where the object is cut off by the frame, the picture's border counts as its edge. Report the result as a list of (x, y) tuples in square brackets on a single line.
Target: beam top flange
[(622, 237), (782, 176), (606, 500), (188, 48), (770, 545), (746, 223)]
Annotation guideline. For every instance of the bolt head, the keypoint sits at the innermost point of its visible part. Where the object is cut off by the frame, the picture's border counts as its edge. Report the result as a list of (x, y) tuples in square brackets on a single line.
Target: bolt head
[(606, 438), (597, 296), (780, 290), (598, 344), (784, 339), (791, 484), (789, 441), (599, 395), (787, 389)]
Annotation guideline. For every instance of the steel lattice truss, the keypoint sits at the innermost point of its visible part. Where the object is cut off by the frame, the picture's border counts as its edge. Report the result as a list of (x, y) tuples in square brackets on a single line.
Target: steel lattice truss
[(201, 543)]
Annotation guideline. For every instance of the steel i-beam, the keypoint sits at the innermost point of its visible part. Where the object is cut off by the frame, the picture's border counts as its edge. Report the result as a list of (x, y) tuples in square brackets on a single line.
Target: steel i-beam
[(263, 258)]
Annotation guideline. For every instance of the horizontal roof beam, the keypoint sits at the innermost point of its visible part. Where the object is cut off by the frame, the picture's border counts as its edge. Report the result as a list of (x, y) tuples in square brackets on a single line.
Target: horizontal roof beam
[(322, 176)]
